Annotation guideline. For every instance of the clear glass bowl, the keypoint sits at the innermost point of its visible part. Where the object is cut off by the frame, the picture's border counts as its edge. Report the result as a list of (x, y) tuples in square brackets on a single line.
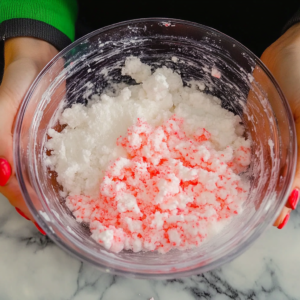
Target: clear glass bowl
[(246, 87)]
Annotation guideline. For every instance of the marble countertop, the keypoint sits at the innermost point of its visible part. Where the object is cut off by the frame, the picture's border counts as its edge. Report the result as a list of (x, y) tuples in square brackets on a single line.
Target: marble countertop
[(32, 267)]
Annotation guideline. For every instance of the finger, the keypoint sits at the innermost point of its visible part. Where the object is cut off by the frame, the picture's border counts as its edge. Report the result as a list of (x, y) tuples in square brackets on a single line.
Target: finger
[(6, 141), (12, 91), (5, 171), (282, 218), (296, 183), (295, 194), (293, 199)]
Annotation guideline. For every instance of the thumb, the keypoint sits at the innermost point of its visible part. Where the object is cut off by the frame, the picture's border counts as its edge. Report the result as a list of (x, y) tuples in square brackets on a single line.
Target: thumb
[(16, 80)]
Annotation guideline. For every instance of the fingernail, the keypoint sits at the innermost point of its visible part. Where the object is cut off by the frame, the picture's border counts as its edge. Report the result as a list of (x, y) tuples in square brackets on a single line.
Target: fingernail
[(284, 222), (294, 198), (21, 213), (39, 228), (5, 171)]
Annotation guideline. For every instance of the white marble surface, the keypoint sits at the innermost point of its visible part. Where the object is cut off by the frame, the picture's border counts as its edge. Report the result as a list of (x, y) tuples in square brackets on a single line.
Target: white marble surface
[(33, 268)]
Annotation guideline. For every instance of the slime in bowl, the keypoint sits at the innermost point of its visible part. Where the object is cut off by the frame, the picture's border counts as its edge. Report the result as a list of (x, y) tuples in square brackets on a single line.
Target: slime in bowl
[(168, 182), (147, 144)]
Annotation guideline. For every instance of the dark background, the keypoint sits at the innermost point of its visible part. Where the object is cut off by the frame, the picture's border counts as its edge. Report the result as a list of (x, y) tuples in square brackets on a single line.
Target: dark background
[(256, 24)]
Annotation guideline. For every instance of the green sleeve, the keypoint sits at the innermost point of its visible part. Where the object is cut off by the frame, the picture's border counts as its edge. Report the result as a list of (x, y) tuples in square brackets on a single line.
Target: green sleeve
[(60, 14)]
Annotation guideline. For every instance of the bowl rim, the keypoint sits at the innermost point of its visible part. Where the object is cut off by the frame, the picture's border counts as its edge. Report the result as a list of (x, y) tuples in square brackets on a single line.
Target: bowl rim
[(245, 243)]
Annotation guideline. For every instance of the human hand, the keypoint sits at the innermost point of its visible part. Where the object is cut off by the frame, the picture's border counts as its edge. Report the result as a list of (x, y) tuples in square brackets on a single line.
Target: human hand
[(283, 60), (24, 58)]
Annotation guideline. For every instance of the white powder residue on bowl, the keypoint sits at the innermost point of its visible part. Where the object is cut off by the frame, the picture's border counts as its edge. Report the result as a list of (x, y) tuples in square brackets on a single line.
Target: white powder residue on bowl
[(155, 166)]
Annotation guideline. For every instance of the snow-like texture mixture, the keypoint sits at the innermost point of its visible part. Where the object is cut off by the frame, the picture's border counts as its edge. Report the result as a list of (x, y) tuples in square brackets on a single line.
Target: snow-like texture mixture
[(154, 166)]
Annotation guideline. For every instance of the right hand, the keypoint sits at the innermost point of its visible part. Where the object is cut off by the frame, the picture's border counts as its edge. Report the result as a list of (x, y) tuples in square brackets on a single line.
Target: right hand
[(24, 58), (283, 60)]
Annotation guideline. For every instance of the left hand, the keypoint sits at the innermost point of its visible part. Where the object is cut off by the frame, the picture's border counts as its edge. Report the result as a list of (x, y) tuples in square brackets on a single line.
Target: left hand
[(24, 58)]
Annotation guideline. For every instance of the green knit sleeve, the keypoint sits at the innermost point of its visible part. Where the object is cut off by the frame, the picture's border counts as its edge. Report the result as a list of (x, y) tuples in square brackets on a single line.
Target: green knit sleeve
[(60, 14)]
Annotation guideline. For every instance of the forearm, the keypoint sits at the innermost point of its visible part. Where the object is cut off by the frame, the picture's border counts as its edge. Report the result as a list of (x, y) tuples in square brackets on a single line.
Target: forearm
[(50, 20)]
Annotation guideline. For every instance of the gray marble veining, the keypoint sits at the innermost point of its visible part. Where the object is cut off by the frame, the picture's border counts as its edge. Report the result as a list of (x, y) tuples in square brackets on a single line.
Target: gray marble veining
[(32, 267)]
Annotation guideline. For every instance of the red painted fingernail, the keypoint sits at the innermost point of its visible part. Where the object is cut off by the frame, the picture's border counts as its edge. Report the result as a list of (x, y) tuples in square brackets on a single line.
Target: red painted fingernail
[(294, 198), (39, 228), (21, 213), (5, 171), (283, 223)]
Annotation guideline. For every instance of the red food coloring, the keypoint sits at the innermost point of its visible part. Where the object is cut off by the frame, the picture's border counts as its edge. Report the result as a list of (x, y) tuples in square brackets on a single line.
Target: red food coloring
[(166, 193)]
